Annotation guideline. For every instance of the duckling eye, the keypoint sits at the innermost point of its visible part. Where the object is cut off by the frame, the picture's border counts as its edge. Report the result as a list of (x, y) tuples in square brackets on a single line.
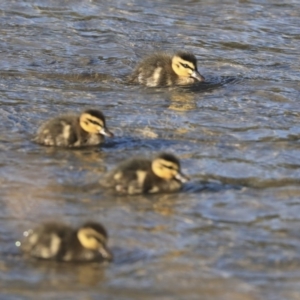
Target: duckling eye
[(169, 167), (93, 122), (187, 66), (95, 238)]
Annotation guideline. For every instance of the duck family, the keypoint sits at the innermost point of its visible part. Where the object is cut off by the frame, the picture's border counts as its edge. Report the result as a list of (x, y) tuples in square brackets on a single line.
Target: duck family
[(161, 174)]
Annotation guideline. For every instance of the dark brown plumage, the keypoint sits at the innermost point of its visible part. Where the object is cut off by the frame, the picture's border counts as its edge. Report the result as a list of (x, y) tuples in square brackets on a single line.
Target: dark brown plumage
[(86, 129), (161, 69), (60, 242), (139, 175)]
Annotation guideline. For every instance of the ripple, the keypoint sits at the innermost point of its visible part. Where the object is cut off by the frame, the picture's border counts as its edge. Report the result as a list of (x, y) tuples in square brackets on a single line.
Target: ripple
[(234, 228)]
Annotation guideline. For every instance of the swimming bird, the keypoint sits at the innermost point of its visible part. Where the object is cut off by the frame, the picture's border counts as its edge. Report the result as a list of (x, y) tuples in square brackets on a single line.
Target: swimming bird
[(60, 242), (162, 69), (86, 129), (141, 175)]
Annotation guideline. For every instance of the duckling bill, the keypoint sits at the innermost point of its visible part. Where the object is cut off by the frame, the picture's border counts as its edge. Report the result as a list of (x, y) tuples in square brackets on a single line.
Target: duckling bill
[(87, 129), (139, 175), (60, 242), (161, 69)]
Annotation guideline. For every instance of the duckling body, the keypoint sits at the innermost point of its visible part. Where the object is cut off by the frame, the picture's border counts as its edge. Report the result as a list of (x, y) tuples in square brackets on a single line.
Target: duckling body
[(162, 69), (87, 129), (139, 175), (60, 242)]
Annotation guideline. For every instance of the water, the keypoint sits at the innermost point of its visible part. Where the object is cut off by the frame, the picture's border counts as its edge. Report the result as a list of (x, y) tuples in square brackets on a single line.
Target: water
[(233, 233)]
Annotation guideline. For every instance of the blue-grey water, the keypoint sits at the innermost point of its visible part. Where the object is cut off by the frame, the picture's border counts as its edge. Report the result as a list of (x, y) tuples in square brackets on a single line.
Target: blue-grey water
[(233, 233)]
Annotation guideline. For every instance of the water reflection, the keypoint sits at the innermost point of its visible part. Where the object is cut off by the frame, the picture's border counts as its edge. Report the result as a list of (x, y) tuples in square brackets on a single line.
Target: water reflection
[(181, 101), (60, 275)]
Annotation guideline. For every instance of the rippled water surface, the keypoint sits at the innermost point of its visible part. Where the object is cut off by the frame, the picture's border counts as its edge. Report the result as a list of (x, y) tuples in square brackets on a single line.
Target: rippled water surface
[(234, 231)]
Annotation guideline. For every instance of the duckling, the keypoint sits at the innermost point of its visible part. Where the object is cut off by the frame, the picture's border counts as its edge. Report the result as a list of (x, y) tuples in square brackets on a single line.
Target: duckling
[(86, 129), (162, 69), (139, 175), (60, 242)]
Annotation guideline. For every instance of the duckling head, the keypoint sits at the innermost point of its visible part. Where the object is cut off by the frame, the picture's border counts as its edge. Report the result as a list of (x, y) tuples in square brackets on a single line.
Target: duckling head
[(93, 236), (93, 121), (167, 166), (185, 65)]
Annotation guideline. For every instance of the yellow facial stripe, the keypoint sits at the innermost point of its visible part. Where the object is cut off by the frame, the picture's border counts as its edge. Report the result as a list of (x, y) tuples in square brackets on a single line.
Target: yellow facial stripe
[(167, 164), (94, 120), (91, 123), (187, 64), (165, 169), (184, 63), (90, 239), (181, 67)]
